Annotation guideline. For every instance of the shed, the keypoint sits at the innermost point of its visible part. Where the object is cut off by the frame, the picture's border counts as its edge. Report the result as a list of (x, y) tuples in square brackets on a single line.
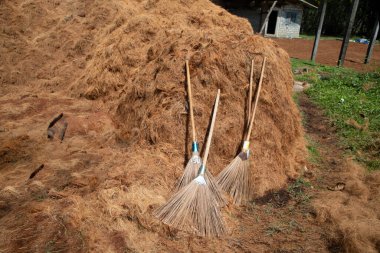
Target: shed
[(284, 20)]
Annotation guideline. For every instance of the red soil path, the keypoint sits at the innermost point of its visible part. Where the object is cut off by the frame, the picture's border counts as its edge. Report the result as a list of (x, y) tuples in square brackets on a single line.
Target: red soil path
[(328, 52)]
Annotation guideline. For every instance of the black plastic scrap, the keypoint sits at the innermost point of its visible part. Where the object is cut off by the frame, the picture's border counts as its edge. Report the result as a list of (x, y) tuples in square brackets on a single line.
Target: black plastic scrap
[(50, 131), (62, 135), (55, 120), (34, 173)]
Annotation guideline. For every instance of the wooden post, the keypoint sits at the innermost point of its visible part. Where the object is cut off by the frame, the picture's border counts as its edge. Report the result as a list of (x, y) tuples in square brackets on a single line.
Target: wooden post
[(267, 17), (372, 41), (346, 40), (318, 34)]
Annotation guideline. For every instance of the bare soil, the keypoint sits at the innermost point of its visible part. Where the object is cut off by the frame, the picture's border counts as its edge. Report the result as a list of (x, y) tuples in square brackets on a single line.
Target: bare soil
[(328, 52), (349, 217)]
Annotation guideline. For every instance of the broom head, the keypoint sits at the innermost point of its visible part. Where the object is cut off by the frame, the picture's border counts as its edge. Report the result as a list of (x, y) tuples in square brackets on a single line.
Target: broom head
[(193, 209), (235, 178), (215, 189)]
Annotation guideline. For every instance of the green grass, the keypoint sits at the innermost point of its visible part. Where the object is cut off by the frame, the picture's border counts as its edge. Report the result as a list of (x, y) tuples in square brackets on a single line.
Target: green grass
[(346, 94), (274, 229), (283, 227), (297, 190), (312, 147), (312, 36)]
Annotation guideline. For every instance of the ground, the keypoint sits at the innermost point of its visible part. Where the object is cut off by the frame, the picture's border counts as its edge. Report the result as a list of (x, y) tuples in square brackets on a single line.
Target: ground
[(328, 52), (74, 170), (287, 220)]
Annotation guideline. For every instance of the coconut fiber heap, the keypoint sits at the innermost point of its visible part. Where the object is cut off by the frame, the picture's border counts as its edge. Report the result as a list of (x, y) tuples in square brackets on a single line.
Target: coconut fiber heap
[(140, 64)]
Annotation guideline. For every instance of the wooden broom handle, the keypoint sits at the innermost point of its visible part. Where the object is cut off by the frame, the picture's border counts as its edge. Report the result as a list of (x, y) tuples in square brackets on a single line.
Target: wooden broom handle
[(250, 96), (190, 100), (250, 92), (211, 128), (257, 99)]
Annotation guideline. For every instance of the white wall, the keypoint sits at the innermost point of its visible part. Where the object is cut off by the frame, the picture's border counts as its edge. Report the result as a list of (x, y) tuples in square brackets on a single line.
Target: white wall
[(285, 28)]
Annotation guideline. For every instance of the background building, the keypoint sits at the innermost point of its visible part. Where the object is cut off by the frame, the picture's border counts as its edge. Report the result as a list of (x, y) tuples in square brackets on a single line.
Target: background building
[(284, 21)]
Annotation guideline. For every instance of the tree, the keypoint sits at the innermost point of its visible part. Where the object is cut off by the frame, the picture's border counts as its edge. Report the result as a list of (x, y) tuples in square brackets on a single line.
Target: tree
[(337, 14)]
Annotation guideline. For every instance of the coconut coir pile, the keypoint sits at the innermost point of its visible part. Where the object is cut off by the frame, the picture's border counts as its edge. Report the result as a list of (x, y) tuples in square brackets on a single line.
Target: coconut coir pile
[(141, 62)]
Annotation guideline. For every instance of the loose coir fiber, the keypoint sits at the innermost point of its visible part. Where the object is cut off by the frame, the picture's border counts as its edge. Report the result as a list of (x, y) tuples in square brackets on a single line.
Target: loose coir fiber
[(140, 65)]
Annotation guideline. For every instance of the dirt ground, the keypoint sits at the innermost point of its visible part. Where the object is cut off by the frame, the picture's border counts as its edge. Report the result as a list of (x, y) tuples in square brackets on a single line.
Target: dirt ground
[(82, 199), (328, 52), (72, 204), (349, 216)]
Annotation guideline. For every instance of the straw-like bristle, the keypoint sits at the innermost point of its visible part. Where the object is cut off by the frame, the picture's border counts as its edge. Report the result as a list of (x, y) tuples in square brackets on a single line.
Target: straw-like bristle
[(235, 179), (191, 170), (193, 209), (215, 189)]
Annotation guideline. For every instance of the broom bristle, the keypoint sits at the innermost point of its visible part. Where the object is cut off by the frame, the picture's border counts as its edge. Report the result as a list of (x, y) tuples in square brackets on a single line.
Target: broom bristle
[(215, 189), (193, 209), (235, 179), (191, 171)]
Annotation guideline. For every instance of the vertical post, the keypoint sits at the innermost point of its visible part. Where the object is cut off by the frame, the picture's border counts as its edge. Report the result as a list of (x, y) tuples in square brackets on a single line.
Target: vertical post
[(372, 41), (267, 17), (318, 34), (346, 40)]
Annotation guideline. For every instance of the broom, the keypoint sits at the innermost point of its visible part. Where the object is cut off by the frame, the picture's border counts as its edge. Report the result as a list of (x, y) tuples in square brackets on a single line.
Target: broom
[(191, 169), (195, 161), (194, 207), (235, 178)]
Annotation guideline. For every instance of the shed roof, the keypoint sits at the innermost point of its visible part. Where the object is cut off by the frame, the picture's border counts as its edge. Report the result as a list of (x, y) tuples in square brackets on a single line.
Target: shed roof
[(257, 3)]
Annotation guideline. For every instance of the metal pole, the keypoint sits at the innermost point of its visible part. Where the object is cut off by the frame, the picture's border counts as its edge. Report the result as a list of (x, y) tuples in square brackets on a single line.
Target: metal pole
[(346, 40), (267, 17), (318, 34), (372, 41)]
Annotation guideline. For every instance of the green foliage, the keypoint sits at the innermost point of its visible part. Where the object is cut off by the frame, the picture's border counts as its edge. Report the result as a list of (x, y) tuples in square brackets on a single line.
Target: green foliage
[(297, 190), (283, 227), (312, 147), (346, 96)]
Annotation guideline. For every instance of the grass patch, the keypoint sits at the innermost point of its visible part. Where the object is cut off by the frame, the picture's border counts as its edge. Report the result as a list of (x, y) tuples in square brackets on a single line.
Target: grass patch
[(297, 190), (352, 101), (312, 37), (312, 147), (274, 229), (283, 227)]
